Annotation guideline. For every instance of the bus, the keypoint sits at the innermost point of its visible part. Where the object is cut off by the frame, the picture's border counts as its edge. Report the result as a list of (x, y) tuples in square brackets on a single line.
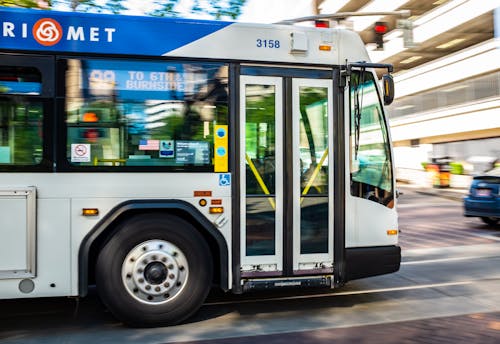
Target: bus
[(159, 158)]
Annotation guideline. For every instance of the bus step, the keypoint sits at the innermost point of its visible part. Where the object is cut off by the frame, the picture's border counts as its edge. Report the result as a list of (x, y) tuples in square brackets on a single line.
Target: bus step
[(265, 284)]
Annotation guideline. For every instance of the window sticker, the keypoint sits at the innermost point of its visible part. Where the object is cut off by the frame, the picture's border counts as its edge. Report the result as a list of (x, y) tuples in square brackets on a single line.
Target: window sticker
[(149, 144), (167, 149), (80, 152)]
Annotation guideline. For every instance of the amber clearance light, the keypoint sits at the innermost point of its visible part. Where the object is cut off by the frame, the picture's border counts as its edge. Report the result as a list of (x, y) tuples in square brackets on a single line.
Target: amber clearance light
[(216, 210), (90, 211)]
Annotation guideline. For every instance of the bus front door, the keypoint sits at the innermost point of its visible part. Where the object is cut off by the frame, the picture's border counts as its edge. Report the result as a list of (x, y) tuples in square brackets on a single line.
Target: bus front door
[(286, 141)]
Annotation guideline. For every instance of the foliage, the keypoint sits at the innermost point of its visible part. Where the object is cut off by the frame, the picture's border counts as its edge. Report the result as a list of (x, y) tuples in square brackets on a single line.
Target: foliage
[(26, 3), (165, 8), (113, 6), (217, 9)]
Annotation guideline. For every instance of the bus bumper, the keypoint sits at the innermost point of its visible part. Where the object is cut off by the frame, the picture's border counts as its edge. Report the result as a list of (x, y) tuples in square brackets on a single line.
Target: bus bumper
[(364, 262)]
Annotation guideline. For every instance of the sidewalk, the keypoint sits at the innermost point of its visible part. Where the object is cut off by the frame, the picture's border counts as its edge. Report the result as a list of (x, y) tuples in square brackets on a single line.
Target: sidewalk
[(422, 182), (480, 328), (455, 194)]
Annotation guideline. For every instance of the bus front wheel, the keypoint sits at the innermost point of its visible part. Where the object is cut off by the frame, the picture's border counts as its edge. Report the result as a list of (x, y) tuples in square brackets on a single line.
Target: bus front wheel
[(156, 270)]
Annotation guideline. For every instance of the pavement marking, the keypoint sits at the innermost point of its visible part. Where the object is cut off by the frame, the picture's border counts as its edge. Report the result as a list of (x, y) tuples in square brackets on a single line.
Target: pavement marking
[(422, 205), (490, 236), (441, 260), (346, 293)]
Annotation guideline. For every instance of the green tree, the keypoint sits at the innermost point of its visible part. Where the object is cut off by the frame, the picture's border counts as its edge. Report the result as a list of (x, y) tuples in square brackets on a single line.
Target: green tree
[(218, 9), (74, 4), (26, 3), (113, 6)]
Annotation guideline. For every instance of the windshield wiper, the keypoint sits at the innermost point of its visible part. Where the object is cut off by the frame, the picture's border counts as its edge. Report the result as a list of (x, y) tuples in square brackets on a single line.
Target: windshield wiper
[(358, 106)]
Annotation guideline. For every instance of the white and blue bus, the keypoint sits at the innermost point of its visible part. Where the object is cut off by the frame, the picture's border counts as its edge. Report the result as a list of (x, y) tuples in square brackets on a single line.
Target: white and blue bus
[(160, 158)]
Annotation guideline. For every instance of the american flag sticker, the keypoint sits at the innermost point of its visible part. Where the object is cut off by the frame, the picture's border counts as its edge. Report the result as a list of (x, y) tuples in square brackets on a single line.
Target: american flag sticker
[(149, 144)]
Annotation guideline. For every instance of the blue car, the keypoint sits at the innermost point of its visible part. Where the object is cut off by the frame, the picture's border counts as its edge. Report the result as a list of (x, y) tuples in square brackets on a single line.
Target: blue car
[(483, 199)]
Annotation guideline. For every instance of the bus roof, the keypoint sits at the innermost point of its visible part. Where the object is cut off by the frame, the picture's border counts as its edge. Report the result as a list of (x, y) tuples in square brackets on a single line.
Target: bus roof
[(82, 33)]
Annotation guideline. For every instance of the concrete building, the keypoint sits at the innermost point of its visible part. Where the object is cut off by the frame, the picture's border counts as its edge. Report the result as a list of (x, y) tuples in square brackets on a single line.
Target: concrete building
[(447, 85)]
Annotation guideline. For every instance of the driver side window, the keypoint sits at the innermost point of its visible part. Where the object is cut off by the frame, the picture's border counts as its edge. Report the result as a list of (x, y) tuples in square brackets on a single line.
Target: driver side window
[(371, 167)]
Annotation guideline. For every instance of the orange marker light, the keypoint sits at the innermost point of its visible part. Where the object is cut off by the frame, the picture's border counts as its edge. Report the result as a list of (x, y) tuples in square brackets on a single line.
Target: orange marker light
[(325, 47), (200, 193), (392, 232), (216, 210), (90, 211)]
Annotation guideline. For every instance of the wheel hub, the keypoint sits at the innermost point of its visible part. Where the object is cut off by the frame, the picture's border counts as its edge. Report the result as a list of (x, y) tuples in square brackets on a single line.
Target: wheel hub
[(155, 271)]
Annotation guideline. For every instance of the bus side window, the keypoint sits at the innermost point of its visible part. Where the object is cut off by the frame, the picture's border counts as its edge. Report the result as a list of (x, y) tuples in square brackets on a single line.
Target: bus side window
[(21, 116), (150, 114)]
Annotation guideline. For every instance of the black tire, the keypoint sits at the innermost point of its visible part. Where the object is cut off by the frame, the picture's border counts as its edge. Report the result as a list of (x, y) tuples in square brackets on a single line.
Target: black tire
[(490, 221), (170, 257)]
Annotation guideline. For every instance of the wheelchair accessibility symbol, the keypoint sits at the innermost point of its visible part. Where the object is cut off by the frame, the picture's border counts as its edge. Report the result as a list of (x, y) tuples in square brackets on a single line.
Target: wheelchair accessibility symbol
[(224, 179)]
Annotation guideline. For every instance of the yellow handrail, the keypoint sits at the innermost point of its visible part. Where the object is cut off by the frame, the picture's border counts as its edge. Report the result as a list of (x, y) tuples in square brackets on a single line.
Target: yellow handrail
[(264, 188), (314, 175), (113, 161), (259, 180)]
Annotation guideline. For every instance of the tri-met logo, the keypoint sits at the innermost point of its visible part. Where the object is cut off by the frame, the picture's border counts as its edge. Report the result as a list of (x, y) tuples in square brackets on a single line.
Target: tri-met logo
[(49, 32)]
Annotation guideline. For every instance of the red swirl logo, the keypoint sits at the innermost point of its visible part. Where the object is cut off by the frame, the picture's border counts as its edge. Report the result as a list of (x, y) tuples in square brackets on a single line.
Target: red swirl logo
[(47, 32)]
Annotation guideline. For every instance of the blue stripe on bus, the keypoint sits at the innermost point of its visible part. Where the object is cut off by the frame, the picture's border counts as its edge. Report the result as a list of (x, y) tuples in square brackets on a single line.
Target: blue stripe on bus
[(37, 30)]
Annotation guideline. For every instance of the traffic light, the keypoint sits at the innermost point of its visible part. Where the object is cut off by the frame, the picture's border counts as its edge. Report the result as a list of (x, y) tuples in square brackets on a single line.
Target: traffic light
[(321, 23), (380, 29)]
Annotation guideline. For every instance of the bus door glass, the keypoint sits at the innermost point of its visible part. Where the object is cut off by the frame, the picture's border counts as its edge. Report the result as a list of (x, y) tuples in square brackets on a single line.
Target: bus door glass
[(261, 165), (287, 184), (312, 174)]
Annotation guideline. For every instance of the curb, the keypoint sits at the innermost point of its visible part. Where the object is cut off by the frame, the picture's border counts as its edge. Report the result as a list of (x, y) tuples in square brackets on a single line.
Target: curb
[(451, 252), (448, 193), (454, 196)]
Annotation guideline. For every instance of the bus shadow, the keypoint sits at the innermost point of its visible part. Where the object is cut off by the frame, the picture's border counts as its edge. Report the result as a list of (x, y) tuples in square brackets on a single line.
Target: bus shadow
[(268, 302), (44, 317)]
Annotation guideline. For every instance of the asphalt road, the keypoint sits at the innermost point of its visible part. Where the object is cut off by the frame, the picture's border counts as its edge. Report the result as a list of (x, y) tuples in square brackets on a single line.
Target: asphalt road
[(446, 292), (426, 220)]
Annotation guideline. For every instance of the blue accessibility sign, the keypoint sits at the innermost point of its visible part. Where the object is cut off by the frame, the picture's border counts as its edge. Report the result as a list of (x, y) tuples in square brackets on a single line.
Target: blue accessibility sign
[(225, 179)]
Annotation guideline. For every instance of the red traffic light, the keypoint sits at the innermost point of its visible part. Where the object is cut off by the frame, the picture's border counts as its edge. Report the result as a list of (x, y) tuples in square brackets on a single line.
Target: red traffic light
[(380, 28), (322, 23)]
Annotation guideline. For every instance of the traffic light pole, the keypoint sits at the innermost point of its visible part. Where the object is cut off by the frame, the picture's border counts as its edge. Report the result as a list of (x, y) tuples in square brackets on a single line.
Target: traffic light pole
[(343, 15), (380, 28)]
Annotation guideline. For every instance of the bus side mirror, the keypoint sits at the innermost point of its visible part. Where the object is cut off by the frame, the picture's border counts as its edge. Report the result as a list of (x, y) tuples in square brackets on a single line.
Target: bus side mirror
[(388, 84)]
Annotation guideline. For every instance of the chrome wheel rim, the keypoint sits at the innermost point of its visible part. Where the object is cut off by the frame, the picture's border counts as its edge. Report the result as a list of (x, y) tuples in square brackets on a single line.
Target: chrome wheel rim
[(155, 272)]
